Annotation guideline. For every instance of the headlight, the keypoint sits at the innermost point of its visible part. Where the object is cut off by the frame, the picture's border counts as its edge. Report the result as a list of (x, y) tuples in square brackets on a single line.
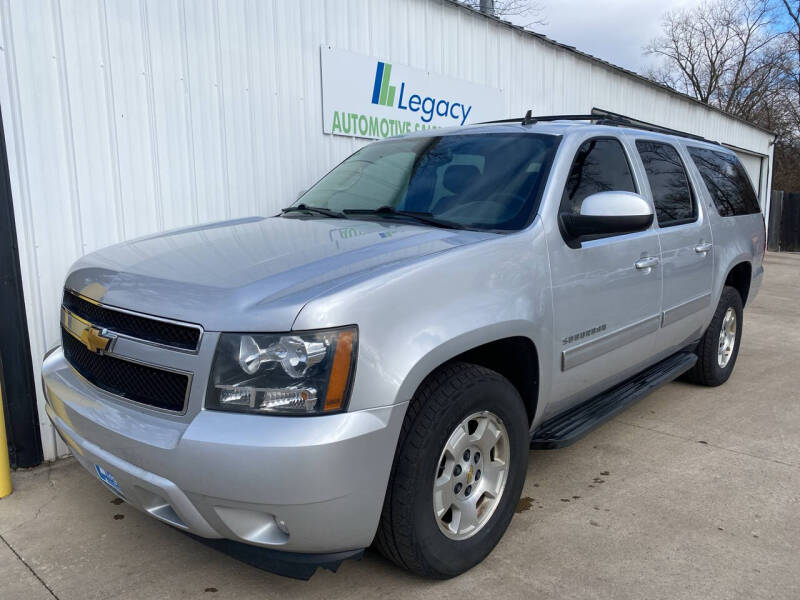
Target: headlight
[(302, 373)]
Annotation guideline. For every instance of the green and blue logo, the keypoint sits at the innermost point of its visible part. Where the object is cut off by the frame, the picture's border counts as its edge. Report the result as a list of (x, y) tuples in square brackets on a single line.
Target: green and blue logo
[(383, 93)]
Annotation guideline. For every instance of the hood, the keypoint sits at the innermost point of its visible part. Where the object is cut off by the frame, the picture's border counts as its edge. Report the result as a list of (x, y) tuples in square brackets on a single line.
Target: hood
[(251, 274)]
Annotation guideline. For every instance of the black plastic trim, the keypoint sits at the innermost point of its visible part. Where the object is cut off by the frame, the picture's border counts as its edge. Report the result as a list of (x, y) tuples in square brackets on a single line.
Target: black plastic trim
[(296, 565), (571, 425), (580, 226)]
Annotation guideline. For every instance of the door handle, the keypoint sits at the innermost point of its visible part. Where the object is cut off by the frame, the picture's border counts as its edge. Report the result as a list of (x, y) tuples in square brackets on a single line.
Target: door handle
[(645, 264), (703, 248)]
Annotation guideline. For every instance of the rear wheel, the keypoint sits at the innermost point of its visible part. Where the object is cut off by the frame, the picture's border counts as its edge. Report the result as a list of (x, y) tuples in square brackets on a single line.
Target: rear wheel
[(458, 472), (719, 346)]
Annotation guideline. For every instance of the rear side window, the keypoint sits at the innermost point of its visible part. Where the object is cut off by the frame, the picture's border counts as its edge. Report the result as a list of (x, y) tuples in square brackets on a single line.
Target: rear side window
[(600, 165), (669, 183), (727, 182)]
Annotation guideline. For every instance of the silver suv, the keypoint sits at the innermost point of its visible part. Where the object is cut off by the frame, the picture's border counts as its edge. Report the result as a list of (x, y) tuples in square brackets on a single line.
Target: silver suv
[(372, 365)]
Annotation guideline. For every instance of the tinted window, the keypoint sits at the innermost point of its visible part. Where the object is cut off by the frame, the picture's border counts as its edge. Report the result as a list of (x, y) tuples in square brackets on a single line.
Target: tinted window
[(487, 181), (669, 183), (600, 165), (727, 182)]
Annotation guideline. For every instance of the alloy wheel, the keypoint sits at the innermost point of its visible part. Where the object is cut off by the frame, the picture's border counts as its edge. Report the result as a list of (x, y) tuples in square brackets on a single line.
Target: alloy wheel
[(727, 338), (471, 475)]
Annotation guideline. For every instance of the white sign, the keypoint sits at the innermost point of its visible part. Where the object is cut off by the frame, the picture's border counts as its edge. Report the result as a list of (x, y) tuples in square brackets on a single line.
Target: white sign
[(366, 97)]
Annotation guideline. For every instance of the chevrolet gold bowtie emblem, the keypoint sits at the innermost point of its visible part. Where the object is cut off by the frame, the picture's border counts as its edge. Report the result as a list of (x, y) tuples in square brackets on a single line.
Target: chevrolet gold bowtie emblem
[(469, 475), (95, 339)]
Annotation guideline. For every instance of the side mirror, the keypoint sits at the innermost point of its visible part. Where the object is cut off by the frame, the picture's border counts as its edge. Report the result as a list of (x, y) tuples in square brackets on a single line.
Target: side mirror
[(608, 213)]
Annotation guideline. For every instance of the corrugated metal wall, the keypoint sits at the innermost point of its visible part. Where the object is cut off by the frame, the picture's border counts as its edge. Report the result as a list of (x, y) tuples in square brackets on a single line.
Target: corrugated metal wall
[(125, 117)]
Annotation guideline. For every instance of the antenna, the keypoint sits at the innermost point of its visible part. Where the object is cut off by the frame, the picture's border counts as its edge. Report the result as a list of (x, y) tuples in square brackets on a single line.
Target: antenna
[(528, 119)]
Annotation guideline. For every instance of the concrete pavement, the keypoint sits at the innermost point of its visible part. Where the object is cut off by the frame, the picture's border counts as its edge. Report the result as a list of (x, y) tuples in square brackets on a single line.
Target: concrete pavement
[(692, 493)]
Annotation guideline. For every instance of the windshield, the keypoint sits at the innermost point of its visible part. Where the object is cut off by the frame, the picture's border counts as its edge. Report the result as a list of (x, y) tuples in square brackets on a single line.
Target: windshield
[(486, 181)]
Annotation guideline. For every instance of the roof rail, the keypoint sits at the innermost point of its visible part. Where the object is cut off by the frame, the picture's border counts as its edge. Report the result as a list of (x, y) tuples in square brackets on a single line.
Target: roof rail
[(529, 119), (626, 121), (604, 117)]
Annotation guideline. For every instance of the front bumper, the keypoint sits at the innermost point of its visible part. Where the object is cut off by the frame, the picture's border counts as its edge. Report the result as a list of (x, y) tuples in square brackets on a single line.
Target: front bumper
[(247, 478)]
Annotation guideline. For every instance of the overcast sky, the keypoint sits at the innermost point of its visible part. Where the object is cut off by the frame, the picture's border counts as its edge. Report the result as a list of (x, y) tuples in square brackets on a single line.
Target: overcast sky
[(614, 30)]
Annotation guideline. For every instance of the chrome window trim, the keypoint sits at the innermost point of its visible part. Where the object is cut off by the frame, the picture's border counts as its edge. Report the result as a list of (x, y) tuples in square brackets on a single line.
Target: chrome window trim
[(199, 328)]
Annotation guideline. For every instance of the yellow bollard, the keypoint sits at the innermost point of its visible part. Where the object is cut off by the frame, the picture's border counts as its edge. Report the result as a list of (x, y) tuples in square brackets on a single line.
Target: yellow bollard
[(5, 466)]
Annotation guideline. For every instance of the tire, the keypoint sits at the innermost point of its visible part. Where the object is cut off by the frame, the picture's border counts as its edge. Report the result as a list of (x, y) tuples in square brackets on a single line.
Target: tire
[(409, 533), (708, 370)]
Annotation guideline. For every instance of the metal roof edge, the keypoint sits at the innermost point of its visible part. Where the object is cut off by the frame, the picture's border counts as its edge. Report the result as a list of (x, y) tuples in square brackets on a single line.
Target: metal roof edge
[(608, 65)]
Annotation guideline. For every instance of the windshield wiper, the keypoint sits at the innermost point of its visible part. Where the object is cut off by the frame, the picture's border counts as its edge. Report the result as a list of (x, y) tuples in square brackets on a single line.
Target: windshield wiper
[(420, 217), (335, 214)]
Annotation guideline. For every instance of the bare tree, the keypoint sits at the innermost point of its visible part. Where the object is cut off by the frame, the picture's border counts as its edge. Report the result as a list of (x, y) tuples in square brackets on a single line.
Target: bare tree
[(727, 53), (524, 9), (787, 145), (793, 12), (738, 55)]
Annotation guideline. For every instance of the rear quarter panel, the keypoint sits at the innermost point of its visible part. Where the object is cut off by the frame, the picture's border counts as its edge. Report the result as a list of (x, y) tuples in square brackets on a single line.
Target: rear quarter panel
[(737, 239)]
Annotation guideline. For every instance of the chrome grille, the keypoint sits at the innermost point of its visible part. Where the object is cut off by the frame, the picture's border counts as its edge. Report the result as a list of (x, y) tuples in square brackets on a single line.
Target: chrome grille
[(148, 329), (152, 386)]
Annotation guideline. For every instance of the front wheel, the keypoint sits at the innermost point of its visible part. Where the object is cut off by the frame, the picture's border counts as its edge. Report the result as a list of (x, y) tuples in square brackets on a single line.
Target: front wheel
[(458, 472), (719, 346)]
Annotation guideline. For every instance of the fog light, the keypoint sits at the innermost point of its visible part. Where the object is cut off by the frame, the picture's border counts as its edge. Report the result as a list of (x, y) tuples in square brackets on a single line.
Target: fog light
[(282, 525), (254, 526)]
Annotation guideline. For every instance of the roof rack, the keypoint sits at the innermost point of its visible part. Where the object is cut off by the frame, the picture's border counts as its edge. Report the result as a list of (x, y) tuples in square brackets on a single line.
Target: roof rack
[(603, 117)]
